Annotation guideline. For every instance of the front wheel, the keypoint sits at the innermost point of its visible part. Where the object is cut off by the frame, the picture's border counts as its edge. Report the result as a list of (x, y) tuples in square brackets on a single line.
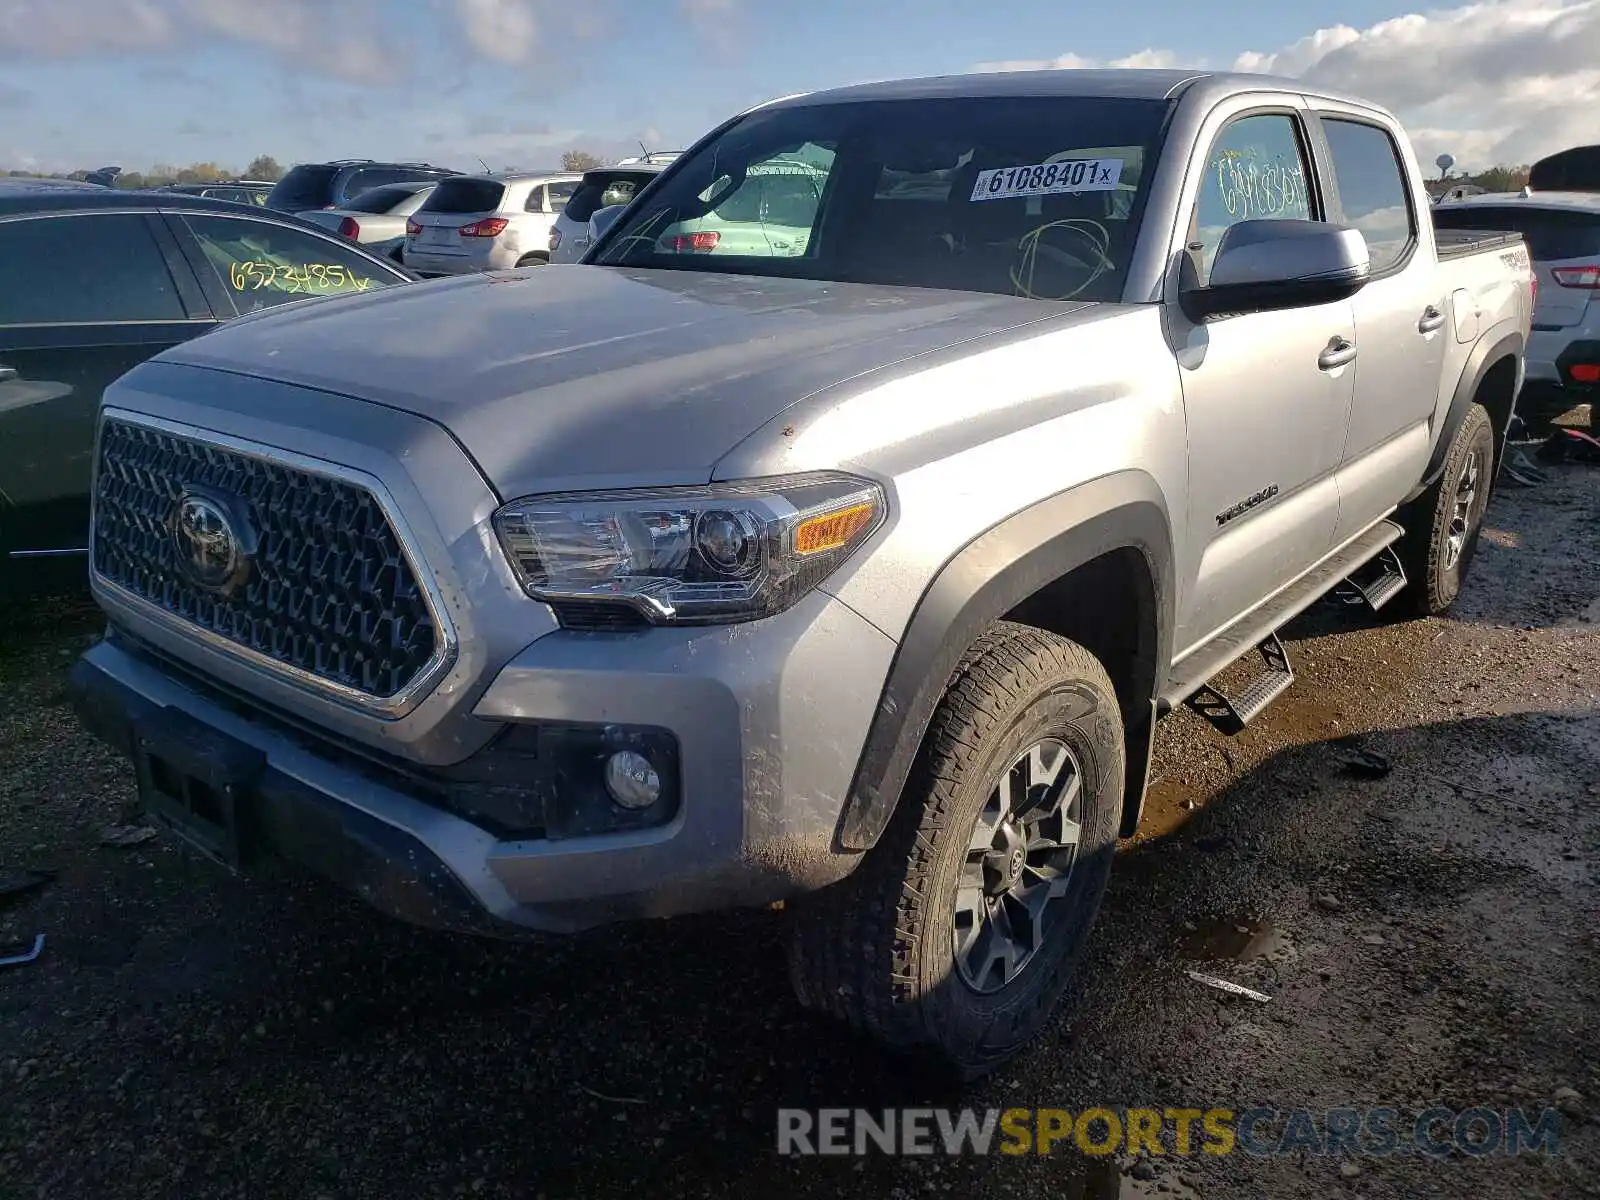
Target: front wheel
[(1442, 525), (534, 260), (957, 935)]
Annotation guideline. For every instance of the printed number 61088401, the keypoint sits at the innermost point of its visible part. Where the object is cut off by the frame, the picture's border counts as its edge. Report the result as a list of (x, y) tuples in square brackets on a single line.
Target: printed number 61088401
[(1044, 179)]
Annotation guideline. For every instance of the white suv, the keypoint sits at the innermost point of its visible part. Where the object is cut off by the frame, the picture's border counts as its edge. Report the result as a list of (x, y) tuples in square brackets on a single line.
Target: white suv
[(486, 223)]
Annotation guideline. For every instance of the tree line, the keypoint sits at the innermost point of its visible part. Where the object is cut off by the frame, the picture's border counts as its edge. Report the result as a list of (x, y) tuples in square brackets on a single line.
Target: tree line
[(263, 167)]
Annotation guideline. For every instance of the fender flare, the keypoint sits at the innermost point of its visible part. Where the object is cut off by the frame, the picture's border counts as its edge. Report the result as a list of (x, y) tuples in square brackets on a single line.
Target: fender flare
[(1489, 350), (977, 586)]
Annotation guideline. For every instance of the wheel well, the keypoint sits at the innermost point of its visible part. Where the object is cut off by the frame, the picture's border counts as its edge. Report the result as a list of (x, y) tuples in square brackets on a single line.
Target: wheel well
[(1497, 392), (1108, 606)]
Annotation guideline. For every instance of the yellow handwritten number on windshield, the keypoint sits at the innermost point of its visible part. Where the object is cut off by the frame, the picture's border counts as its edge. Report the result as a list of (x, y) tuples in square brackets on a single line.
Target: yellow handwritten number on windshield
[(307, 279)]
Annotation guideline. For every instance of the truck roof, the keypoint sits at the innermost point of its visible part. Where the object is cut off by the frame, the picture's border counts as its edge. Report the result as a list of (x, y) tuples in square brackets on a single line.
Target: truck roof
[(1136, 83)]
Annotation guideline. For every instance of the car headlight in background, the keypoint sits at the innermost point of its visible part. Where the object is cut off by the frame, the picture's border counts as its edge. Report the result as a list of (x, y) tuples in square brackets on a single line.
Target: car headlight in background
[(717, 553)]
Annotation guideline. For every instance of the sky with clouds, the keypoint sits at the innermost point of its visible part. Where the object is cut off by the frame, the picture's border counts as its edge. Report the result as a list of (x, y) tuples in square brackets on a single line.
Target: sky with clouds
[(515, 82)]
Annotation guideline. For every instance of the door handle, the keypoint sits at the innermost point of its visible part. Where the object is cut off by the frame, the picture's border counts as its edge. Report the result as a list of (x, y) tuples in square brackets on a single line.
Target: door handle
[(7, 374), (1431, 319), (1340, 350)]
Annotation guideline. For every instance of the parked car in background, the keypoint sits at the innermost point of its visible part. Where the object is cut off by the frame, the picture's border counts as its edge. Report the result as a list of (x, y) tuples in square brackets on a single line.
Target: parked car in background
[(239, 191), (113, 277), (659, 158), (770, 214), (600, 188), (1562, 232), (312, 186), (869, 601), (487, 222), (376, 216)]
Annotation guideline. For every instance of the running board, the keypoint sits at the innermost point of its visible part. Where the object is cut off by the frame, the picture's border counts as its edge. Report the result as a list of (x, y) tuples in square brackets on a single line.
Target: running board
[(1376, 582), (1256, 628), (1231, 715)]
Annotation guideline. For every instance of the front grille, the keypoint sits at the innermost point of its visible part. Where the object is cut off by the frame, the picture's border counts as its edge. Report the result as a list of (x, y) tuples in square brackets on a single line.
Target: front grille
[(330, 591)]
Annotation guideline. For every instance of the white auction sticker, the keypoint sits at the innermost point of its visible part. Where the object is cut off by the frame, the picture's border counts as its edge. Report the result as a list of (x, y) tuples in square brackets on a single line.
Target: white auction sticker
[(1045, 179)]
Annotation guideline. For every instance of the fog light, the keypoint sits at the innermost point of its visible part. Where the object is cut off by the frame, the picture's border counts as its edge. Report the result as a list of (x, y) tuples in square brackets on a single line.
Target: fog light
[(631, 780)]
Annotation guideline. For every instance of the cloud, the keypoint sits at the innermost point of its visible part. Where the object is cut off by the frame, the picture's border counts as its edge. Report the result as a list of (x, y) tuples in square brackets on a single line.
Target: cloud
[(716, 21), (342, 40), (504, 30), (1501, 82), (62, 28), (1158, 59)]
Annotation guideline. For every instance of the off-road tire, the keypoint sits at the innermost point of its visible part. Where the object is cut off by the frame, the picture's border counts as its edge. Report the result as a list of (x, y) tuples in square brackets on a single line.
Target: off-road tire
[(1434, 581), (876, 950)]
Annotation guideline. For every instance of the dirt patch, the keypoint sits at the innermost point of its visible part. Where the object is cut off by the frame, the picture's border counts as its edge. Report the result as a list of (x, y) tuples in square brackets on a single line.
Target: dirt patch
[(1427, 938)]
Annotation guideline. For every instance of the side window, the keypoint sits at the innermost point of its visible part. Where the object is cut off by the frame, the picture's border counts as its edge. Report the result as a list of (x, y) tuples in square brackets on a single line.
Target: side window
[(84, 269), (1372, 188), (1255, 170), (560, 193), (261, 264), (535, 200)]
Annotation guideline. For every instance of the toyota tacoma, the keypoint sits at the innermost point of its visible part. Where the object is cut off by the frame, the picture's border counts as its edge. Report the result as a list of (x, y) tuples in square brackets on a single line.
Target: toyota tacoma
[(849, 570)]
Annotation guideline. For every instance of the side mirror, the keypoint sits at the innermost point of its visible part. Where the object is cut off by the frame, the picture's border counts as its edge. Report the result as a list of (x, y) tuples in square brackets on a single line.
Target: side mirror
[(603, 220), (1263, 266)]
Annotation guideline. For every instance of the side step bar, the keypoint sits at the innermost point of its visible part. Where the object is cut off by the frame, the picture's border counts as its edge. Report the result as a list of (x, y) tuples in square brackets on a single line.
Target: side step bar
[(1232, 715), (1258, 630), (1375, 583)]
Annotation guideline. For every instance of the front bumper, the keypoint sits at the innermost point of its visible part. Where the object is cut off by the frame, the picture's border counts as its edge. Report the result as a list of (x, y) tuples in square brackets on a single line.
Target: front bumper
[(768, 718)]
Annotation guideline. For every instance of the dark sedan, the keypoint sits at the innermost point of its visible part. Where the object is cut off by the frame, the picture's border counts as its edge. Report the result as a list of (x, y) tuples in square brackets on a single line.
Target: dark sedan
[(97, 281)]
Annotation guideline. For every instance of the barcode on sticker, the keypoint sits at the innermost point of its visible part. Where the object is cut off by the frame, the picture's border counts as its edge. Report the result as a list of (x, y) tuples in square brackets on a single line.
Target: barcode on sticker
[(1045, 179)]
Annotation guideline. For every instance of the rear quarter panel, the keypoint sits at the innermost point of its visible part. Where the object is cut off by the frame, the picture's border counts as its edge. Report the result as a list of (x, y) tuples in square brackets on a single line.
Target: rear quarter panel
[(1490, 296)]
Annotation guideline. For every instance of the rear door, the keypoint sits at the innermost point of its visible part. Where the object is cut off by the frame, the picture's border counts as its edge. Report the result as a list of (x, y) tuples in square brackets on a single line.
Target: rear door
[(1401, 324), (247, 263), (95, 295)]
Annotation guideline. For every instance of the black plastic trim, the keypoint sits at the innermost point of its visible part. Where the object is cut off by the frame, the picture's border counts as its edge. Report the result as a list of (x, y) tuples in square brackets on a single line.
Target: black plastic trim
[(1485, 354), (389, 868), (982, 582), (1576, 353)]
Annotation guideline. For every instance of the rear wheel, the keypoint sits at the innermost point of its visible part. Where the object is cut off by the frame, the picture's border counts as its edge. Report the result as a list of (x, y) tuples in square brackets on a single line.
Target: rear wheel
[(1442, 525), (534, 260), (960, 931)]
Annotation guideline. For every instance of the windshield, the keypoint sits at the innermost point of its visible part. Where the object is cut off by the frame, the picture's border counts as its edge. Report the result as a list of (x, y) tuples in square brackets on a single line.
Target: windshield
[(465, 194), (1030, 196), (305, 187), (383, 199), (600, 189), (1552, 234)]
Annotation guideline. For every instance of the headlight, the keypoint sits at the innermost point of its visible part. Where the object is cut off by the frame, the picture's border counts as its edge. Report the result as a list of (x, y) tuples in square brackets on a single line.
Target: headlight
[(691, 555)]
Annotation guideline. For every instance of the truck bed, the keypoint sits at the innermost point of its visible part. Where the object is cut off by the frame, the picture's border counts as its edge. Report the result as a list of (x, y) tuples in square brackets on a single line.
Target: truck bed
[(1458, 243)]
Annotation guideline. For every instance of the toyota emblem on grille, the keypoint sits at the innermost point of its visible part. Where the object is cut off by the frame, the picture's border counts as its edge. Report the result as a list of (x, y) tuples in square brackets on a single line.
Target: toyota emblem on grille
[(211, 539)]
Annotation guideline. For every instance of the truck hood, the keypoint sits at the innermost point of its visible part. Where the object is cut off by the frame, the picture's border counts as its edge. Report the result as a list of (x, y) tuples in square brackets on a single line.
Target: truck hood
[(593, 376)]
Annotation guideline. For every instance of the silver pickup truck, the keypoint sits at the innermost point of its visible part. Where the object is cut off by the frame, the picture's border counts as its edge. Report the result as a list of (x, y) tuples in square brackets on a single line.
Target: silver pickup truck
[(854, 576)]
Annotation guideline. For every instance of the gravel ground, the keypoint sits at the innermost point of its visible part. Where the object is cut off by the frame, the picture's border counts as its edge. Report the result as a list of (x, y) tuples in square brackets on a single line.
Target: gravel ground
[(1428, 937)]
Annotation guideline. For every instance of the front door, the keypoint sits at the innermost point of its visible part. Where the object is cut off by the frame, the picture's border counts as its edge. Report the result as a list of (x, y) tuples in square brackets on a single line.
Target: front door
[(1267, 395)]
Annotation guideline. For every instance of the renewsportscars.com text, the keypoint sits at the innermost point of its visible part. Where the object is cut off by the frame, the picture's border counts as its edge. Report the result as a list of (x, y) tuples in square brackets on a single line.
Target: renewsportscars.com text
[(1259, 1132)]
